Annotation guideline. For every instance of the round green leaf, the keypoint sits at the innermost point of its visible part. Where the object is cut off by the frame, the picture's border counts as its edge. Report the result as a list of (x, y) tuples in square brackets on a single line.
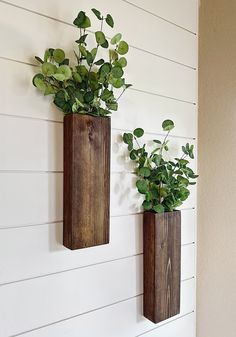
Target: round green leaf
[(105, 44), (116, 38), (130, 148), (100, 37), (159, 208), (117, 82), (39, 76), (138, 132), (59, 55), (123, 62), (82, 21), (113, 55), (94, 52), (47, 54), (39, 82), (50, 90), (59, 99), (88, 97), (168, 125), (77, 77), (144, 172), (48, 69), (83, 50), (86, 23), (97, 13), (65, 71), (127, 138), (59, 77), (123, 48), (142, 186), (147, 205), (99, 62), (117, 72), (109, 20), (105, 69), (112, 106)]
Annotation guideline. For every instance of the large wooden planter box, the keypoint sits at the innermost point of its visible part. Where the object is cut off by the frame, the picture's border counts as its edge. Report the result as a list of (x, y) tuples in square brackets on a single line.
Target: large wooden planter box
[(162, 265), (86, 181)]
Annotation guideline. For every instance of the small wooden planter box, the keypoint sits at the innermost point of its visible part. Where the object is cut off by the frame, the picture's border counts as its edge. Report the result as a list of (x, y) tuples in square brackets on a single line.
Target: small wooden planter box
[(86, 181), (162, 265)]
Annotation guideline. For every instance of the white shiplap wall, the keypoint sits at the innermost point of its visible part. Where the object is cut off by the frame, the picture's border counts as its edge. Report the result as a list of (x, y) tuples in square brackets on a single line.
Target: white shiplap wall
[(45, 289)]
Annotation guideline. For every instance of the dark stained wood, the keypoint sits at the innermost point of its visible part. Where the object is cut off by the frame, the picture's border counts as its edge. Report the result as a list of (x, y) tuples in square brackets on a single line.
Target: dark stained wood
[(162, 265), (86, 181)]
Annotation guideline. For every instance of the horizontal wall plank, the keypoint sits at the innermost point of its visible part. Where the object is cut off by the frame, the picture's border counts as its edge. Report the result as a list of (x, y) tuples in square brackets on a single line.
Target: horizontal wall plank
[(71, 293), (123, 319), (181, 12), (156, 75), (135, 108), (36, 198), (37, 145), (166, 40), (44, 252), (184, 327), (30, 144)]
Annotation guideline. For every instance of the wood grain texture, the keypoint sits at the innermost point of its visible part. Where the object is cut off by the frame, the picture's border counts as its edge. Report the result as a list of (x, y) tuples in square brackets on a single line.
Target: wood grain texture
[(86, 181), (162, 265)]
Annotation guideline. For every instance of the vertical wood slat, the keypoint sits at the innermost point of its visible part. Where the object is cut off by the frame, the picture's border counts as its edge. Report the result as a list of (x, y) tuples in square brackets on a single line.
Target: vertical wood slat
[(86, 181), (162, 265)]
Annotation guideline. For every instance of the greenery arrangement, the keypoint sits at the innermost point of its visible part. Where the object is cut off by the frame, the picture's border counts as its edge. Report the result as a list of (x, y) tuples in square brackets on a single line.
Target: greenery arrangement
[(164, 183), (88, 87)]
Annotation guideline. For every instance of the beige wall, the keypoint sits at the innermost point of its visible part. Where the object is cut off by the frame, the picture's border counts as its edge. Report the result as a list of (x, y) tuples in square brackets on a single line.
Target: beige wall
[(217, 167)]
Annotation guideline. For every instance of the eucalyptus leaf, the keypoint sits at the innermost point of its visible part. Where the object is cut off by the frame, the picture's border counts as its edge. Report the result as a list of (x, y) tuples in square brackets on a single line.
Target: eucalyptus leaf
[(48, 69), (159, 208), (163, 182), (58, 55), (100, 37), (138, 132), (105, 44), (144, 172), (87, 87), (82, 39), (97, 13), (65, 71), (117, 82), (88, 97), (123, 48), (123, 62), (99, 62), (109, 20), (168, 125), (117, 72), (39, 59), (39, 83), (116, 38)]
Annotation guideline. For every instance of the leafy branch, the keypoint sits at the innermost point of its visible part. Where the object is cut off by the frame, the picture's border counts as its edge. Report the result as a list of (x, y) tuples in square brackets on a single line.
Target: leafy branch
[(163, 183), (86, 88)]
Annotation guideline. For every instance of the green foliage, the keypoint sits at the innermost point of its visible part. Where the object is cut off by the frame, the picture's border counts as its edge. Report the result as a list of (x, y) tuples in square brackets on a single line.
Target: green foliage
[(163, 183), (87, 87)]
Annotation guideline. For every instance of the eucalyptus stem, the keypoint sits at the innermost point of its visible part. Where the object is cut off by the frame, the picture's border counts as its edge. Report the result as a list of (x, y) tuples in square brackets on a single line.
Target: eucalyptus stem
[(120, 95)]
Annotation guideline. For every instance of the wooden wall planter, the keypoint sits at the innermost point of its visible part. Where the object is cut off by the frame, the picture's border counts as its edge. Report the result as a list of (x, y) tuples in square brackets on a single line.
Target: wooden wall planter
[(162, 265), (86, 181)]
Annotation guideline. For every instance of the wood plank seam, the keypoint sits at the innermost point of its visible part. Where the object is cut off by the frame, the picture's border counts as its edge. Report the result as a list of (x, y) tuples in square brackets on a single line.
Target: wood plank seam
[(83, 267)]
